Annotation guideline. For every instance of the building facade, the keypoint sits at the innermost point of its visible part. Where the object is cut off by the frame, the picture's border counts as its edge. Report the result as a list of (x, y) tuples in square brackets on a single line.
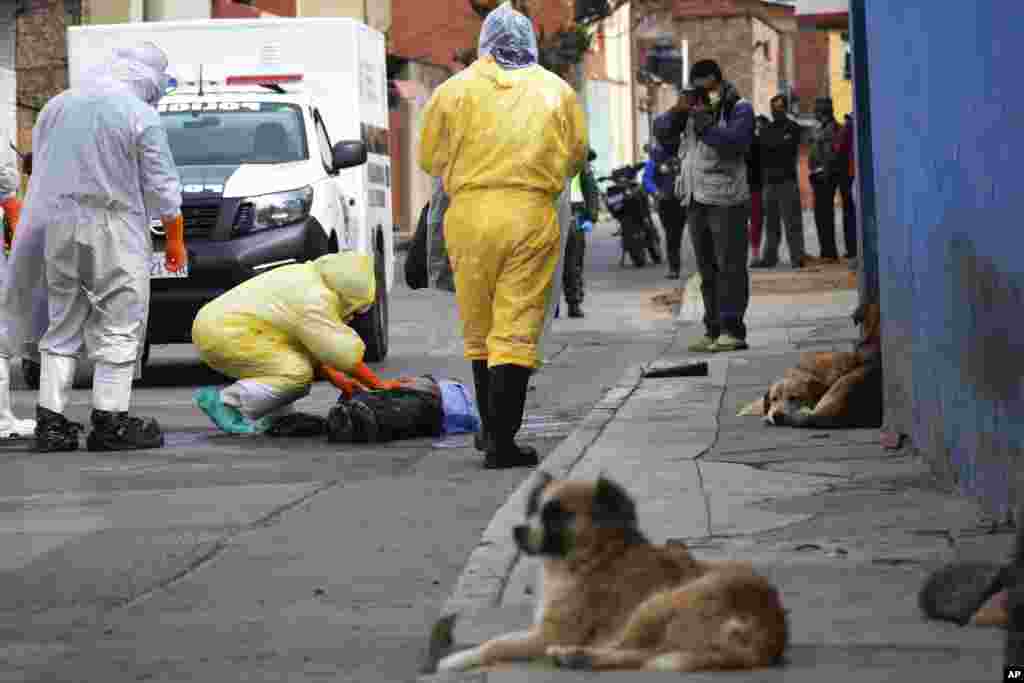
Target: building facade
[(948, 211)]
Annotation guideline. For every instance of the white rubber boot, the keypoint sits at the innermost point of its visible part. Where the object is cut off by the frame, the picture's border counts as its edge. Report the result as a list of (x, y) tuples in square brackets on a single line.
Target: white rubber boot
[(56, 377), (112, 386), (10, 426)]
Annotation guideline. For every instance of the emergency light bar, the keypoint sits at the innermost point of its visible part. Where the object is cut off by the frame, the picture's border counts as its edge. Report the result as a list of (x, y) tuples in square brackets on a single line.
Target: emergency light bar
[(266, 79), (221, 75)]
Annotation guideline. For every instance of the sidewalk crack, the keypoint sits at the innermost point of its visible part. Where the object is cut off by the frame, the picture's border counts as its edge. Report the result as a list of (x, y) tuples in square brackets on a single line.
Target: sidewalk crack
[(714, 442), (223, 542)]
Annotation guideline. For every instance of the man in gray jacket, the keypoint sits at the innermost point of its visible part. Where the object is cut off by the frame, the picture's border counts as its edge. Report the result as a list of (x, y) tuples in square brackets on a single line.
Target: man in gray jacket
[(713, 185)]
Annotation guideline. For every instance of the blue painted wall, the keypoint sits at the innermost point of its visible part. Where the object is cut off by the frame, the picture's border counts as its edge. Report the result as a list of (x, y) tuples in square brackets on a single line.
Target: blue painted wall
[(947, 109)]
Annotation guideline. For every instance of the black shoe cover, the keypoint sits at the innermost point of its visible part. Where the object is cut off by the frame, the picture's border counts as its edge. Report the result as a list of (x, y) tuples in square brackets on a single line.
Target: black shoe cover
[(123, 432), (55, 433)]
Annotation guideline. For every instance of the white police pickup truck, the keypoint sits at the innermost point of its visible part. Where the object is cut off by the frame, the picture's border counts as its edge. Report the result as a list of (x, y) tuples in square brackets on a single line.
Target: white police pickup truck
[(282, 148)]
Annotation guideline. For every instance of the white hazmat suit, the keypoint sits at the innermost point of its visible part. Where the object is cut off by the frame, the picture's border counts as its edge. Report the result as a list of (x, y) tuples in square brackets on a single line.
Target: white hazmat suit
[(102, 170), (10, 426)]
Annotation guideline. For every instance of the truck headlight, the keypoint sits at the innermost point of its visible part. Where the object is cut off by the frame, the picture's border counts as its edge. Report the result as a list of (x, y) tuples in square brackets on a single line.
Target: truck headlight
[(280, 208)]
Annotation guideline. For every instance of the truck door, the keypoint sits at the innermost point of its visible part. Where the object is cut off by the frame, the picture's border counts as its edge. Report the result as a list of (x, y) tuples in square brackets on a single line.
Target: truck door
[(336, 216)]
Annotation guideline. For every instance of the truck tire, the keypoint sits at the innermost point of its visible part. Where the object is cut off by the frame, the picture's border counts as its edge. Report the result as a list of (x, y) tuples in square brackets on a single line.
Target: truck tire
[(31, 372), (372, 326)]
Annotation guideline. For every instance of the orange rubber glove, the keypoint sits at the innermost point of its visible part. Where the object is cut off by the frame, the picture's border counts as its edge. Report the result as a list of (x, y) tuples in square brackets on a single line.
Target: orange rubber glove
[(367, 378), (12, 212), (176, 257), (346, 385)]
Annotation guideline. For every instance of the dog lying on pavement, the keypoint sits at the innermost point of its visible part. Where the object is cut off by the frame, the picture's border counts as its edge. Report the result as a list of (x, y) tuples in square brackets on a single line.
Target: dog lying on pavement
[(830, 389), (610, 599)]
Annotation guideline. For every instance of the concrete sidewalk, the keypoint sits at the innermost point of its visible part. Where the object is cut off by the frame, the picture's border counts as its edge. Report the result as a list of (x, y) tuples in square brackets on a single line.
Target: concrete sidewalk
[(846, 529)]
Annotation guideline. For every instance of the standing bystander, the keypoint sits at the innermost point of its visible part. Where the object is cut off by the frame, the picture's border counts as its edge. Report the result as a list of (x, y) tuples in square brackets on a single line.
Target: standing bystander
[(779, 143), (825, 177), (713, 184), (660, 178), (845, 162)]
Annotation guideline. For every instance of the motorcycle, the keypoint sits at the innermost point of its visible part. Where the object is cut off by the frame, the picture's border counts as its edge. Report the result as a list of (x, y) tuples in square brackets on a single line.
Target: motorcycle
[(628, 204)]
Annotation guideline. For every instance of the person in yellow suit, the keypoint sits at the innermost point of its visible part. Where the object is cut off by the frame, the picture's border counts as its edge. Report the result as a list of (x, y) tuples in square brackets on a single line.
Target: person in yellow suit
[(277, 331), (504, 135)]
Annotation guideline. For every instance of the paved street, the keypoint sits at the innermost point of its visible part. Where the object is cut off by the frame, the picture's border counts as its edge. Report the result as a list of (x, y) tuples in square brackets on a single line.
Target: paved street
[(225, 558)]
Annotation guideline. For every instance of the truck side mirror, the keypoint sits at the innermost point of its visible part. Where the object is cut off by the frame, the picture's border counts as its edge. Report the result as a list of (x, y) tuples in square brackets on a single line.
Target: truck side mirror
[(349, 153)]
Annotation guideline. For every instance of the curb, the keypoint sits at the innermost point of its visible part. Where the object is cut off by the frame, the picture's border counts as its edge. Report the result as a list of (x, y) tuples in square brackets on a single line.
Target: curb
[(489, 566)]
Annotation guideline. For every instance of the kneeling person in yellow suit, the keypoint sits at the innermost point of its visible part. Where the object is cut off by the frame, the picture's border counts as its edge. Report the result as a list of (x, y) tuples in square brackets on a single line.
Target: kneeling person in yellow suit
[(277, 332), (504, 135)]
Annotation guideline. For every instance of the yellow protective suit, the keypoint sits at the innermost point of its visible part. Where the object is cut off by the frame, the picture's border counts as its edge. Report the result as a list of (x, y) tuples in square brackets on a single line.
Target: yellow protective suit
[(504, 141), (273, 330)]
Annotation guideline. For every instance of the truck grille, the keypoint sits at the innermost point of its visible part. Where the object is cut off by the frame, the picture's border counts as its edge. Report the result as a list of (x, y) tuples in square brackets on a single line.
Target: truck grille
[(243, 219), (200, 220)]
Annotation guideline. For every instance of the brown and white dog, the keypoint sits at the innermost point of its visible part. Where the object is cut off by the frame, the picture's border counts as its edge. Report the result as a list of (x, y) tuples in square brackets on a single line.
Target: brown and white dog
[(611, 599), (831, 389)]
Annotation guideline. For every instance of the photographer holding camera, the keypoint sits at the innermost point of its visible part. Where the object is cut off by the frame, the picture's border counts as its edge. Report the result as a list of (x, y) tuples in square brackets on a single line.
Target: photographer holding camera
[(660, 178), (713, 184)]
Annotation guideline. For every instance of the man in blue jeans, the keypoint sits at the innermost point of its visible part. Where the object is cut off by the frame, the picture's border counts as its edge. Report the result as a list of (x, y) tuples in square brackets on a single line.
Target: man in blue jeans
[(713, 185)]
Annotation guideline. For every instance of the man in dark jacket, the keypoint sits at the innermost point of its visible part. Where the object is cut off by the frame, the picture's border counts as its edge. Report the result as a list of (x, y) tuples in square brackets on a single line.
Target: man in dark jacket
[(779, 145), (825, 175), (584, 202), (713, 184), (660, 179)]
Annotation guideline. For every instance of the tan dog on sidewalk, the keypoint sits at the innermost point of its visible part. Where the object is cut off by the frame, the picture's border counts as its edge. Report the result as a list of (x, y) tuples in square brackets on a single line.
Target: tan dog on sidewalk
[(831, 389), (613, 600)]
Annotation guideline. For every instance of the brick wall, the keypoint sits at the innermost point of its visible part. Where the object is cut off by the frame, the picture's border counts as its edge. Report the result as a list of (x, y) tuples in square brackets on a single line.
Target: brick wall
[(432, 31), (727, 40), (812, 64), (41, 59)]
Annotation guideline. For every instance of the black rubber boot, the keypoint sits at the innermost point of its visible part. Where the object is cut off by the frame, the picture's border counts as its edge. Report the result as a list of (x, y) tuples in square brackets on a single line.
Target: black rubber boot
[(123, 432), (55, 433), (575, 311), (481, 382), (507, 401)]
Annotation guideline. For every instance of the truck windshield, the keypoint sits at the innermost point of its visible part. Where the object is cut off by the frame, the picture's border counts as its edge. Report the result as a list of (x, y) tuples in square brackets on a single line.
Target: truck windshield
[(234, 133)]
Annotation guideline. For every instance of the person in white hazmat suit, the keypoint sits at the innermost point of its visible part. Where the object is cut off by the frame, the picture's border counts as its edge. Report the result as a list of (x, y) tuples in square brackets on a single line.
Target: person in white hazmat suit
[(10, 426), (102, 168)]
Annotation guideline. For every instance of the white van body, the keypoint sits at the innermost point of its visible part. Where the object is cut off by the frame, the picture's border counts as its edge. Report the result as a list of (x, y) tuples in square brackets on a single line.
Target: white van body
[(312, 83)]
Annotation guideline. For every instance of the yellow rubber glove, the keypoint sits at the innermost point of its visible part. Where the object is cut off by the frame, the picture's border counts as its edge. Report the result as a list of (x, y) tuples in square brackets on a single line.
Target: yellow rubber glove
[(176, 257)]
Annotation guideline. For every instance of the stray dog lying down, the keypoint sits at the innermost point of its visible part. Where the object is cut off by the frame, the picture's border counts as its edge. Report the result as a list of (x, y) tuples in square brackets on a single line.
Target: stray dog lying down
[(610, 599), (830, 389)]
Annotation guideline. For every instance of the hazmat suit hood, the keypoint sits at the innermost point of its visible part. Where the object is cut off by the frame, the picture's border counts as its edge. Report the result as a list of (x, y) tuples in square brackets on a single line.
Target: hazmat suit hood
[(351, 277), (508, 37), (142, 69)]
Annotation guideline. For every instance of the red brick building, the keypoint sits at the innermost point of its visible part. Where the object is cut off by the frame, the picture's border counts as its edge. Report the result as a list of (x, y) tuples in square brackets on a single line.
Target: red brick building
[(433, 31)]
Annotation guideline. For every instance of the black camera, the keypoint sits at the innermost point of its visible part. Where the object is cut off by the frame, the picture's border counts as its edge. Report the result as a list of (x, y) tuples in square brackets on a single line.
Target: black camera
[(669, 167)]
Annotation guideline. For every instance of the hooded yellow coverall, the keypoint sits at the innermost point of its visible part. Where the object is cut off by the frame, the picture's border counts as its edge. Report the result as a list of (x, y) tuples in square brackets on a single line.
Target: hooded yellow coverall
[(274, 331), (504, 141)]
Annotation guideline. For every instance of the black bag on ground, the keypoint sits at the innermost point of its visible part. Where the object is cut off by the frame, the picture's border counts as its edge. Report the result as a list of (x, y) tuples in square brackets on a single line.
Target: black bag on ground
[(379, 416), (298, 425), (416, 273)]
